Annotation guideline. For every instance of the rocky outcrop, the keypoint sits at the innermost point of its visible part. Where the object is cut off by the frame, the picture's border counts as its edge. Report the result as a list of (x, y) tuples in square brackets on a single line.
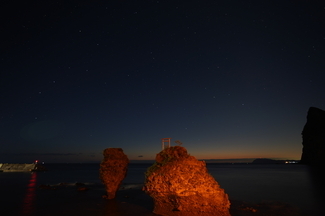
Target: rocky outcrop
[(113, 170), (181, 185), (313, 138), (21, 167)]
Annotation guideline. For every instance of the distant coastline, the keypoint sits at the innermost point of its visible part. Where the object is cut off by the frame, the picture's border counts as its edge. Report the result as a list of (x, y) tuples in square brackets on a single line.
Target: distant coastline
[(271, 161), (251, 161), (234, 161), (16, 167), (221, 161)]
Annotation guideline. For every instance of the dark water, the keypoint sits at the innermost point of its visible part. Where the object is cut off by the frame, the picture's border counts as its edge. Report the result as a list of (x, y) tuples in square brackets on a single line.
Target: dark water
[(295, 185)]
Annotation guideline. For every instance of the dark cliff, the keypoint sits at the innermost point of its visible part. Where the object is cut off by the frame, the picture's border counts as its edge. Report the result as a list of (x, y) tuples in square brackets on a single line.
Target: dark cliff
[(313, 138)]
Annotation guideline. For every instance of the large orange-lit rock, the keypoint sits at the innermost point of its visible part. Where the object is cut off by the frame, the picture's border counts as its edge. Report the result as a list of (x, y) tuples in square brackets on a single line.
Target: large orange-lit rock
[(181, 185), (113, 170)]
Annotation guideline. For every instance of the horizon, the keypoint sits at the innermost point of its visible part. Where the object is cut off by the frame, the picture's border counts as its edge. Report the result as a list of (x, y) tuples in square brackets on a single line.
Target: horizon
[(76, 158), (207, 160), (223, 161)]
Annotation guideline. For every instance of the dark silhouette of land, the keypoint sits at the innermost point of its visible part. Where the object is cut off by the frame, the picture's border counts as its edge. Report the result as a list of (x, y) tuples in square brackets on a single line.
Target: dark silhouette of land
[(313, 138)]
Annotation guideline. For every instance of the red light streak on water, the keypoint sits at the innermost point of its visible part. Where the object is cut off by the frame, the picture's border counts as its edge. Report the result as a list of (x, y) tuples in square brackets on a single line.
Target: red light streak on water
[(28, 204)]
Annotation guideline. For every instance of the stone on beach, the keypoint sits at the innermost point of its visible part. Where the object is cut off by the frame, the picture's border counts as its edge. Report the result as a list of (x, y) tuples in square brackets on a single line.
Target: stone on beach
[(113, 170), (181, 185)]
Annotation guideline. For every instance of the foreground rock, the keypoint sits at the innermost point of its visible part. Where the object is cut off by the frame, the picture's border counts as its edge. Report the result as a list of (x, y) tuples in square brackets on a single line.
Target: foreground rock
[(313, 138), (180, 185), (113, 170)]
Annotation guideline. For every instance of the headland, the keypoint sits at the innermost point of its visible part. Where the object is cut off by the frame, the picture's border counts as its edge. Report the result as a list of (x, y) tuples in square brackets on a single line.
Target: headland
[(8, 167)]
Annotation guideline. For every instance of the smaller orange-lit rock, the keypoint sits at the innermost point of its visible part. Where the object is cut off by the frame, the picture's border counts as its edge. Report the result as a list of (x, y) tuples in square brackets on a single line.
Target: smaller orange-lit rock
[(181, 185), (113, 170)]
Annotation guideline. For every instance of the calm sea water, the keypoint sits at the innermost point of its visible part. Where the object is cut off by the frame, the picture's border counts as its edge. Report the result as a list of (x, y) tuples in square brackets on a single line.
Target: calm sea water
[(296, 185)]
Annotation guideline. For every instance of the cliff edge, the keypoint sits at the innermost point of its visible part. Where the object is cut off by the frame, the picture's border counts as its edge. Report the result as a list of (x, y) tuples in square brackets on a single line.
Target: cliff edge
[(313, 138)]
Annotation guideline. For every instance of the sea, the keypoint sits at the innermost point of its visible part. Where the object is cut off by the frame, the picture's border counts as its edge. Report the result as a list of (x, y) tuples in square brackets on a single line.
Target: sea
[(55, 191)]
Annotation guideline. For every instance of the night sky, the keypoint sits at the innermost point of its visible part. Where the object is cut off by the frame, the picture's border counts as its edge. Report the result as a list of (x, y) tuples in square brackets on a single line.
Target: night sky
[(229, 79)]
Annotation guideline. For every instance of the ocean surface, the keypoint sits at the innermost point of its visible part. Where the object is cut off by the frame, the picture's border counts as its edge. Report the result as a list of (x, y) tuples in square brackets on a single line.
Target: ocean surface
[(22, 194)]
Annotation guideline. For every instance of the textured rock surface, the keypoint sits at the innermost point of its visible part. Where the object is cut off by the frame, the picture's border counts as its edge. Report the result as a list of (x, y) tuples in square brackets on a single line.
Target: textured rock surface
[(113, 170), (180, 185), (313, 138)]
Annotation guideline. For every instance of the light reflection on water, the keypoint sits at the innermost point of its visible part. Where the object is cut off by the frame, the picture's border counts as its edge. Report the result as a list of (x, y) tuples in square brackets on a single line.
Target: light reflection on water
[(30, 196)]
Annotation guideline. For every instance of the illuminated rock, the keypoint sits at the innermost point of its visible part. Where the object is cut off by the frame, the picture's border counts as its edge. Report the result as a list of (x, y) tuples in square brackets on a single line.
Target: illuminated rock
[(113, 170), (313, 138), (181, 185)]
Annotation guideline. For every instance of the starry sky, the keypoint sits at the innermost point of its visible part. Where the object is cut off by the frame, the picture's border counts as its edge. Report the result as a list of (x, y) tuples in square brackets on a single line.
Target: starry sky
[(229, 79)]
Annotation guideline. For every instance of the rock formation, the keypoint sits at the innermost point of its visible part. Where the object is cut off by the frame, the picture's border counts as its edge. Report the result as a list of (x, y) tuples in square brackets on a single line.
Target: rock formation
[(180, 185), (313, 138), (113, 170), (21, 167)]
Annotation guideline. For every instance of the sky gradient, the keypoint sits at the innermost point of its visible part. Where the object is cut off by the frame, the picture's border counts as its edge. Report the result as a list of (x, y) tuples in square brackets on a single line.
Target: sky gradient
[(229, 79)]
